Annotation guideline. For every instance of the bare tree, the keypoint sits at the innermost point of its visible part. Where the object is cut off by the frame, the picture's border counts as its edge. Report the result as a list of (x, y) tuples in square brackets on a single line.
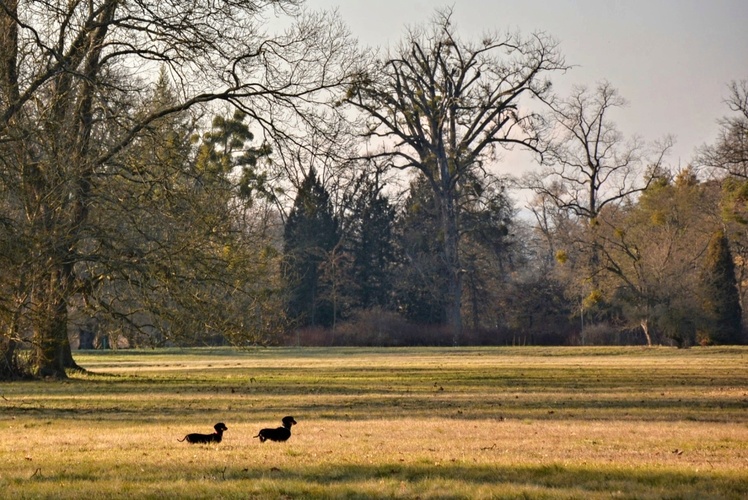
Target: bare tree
[(729, 154), (443, 106), (589, 166), (652, 253), (590, 163), (72, 74)]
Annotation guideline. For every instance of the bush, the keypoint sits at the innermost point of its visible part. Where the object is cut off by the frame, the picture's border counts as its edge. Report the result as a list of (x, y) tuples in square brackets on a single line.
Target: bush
[(381, 328), (607, 334)]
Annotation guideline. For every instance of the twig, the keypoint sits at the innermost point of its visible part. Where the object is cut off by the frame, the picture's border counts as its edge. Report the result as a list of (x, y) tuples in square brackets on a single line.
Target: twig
[(38, 471)]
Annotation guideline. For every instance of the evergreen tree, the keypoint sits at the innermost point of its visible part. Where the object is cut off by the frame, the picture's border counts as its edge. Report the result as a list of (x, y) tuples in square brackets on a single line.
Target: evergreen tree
[(225, 150), (370, 243), (311, 233), (721, 301), (421, 287)]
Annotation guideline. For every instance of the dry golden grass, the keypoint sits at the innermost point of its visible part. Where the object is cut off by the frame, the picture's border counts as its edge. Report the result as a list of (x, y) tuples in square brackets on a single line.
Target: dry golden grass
[(399, 423)]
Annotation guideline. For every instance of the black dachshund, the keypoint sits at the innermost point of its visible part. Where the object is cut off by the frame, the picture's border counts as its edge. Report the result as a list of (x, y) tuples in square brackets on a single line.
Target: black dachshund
[(216, 437), (279, 434)]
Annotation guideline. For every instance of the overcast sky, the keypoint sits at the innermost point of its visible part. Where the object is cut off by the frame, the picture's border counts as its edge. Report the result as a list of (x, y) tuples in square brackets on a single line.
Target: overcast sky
[(671, 59)]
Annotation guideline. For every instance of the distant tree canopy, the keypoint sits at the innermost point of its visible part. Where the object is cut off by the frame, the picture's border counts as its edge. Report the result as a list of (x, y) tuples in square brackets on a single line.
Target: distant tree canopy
[(648, 253), (421, 278), (729, 154)]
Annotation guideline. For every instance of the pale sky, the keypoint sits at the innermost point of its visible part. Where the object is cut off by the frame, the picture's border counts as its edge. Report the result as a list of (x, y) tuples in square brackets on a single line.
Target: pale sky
[(671, 59)]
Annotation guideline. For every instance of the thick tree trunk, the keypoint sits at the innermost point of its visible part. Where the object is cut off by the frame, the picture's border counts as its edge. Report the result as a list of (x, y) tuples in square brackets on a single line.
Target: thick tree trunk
[(52, 348), (53, 355), (52, 352), (7, 359), (9, 51), (454, 268), (50, 335)]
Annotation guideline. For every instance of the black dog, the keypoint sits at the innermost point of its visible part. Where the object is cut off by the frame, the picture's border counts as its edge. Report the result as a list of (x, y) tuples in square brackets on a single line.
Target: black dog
[(279, 434), (206, 438)]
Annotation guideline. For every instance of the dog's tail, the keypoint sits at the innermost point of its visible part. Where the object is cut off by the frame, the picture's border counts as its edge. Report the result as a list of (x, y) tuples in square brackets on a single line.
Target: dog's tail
[(181, 440)]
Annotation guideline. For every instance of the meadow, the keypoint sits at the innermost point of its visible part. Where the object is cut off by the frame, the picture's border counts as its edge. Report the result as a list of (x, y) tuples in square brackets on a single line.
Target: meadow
[(384, 423)]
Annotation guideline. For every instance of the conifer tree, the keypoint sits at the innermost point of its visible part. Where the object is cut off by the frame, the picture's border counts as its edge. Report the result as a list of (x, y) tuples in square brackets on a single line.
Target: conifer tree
[(721, 301), (370, 242), (420, 283), (310, 234)]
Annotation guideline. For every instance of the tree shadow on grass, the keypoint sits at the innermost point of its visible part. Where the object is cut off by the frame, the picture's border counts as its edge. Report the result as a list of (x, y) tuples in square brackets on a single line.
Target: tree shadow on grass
[(380, 391), (450, 480), (185, 404), (550, 478)]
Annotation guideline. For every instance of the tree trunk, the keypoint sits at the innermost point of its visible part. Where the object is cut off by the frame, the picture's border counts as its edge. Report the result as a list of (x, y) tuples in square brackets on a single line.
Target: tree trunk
[(52, 346), (9, 93), (7, 358), (52, 352), (645, 327), (53, 355), (454, 269), (49, 348), (9, 51)]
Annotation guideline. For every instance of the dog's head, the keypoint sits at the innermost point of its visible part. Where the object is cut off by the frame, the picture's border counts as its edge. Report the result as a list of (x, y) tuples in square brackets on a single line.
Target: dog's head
[(288, 421), (220, 427)]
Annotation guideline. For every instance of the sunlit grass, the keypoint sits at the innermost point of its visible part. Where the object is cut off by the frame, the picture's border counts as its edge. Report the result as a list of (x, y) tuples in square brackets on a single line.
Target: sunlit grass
[(399, 423)]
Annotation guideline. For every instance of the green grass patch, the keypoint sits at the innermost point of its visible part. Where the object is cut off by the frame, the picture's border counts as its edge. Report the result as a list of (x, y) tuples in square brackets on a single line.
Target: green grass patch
[(385, 423)]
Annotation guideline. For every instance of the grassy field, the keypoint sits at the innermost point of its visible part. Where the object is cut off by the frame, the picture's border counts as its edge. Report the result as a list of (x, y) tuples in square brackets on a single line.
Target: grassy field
[(385, 423)]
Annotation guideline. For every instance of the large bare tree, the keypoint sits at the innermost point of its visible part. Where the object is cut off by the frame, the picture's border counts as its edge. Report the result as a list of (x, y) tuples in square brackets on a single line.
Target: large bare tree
[(589, 166), (443, 107), (72, 75), (590, 163)]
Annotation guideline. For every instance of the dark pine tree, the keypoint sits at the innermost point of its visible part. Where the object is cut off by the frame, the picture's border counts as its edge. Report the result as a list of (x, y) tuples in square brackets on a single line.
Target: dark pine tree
[(722, 302), (310, 234), (421, 275), (370, 243)]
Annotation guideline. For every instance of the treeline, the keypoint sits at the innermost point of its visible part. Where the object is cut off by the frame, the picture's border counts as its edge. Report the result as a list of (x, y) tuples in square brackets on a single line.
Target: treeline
[(177, 180)]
